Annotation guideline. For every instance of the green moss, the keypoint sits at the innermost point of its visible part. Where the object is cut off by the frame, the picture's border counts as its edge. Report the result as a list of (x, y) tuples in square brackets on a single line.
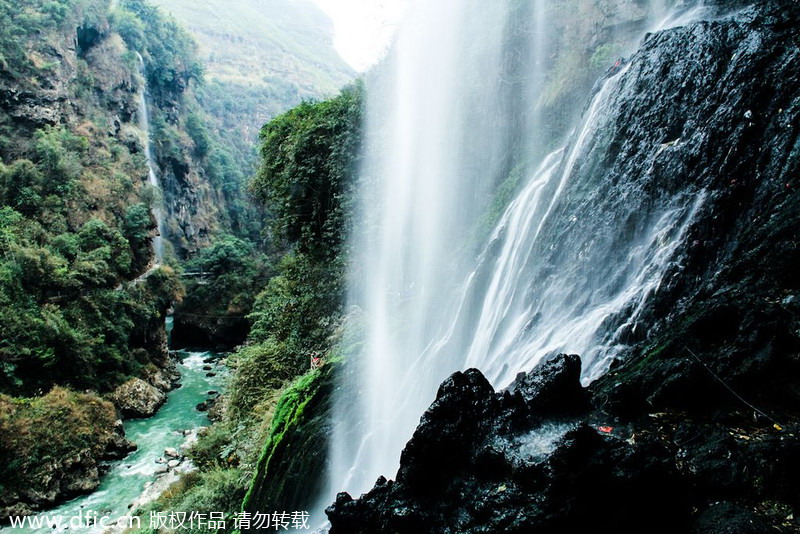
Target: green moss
[(296, 420), (603, 56)]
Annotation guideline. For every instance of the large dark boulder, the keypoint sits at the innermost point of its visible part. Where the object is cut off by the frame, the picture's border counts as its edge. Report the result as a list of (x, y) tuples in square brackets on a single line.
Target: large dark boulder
[(485, 461)]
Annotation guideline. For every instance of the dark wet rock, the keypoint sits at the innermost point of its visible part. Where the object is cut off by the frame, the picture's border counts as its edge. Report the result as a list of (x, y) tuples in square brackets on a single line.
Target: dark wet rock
[(555, 387), (727, 94), (729, 518), (482, 461), (220, 334), (118, 446)]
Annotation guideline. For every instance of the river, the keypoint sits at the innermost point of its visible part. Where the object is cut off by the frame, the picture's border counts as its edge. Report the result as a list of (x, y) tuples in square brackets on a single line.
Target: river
[(126, 479)]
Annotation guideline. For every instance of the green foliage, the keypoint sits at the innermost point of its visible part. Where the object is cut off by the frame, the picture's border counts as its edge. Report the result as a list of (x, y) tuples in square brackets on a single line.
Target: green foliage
[(299, 307), (260, 369), (211, 449), (196, 128), (65, 317), (308, 157), (20, 23), (215, 490), (137, 226), (37, 433), (296, 315), (233, 271), (169, 51)]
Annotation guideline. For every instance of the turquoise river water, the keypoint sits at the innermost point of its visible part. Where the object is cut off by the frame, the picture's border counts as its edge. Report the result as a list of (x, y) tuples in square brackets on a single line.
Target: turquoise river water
[(126, 479)]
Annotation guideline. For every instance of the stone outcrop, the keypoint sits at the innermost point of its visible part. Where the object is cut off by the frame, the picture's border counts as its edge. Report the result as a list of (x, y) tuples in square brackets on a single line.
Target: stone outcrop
[(543, 456), (221, 333), (46, 472), (137, 398)]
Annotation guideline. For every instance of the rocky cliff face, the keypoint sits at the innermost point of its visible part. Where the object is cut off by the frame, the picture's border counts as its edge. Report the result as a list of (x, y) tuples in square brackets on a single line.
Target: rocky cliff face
[(693, 429)]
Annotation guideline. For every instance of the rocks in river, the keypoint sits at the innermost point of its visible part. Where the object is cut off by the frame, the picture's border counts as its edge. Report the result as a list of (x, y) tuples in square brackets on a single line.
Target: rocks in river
[(207, 368), (215, 406), (119, 446), (219, 405), (163, 379), (210, 375), (137, 398), (172, 452), (161, 469), (172, 464)]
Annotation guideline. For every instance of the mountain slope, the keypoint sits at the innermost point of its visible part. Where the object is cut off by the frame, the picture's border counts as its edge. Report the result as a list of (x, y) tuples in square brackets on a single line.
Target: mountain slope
[(262, 58)]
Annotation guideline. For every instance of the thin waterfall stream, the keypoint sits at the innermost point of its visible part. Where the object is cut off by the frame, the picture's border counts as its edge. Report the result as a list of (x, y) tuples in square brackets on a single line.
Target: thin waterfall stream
[(152, 177)]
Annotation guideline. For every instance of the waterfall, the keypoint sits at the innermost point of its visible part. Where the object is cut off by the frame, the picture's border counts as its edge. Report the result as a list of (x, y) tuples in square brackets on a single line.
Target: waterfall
[(152, 177), (569, 266)]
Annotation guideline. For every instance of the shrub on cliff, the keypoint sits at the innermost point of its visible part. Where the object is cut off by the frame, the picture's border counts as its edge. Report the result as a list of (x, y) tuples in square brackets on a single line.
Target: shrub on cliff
[(43, 440)]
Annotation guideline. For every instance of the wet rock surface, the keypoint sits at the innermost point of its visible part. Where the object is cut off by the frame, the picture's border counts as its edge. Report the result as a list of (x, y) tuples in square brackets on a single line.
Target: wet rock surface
[(694, 428), (710, 111), (200, 331), (511, 461)]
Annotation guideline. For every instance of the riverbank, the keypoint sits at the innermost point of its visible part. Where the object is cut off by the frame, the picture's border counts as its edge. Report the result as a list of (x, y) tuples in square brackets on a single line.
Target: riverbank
[(136, 478)]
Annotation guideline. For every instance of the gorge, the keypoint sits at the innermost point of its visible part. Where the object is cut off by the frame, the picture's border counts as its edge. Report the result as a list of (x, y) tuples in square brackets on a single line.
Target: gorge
[(536, 271)]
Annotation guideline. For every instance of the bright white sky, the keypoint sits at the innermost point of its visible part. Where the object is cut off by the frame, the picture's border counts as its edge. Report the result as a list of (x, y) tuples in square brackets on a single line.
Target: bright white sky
[(364, 28)]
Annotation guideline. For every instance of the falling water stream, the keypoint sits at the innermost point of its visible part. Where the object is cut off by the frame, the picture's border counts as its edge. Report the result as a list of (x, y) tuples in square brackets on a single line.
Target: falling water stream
[(152, 177), (569, 266)]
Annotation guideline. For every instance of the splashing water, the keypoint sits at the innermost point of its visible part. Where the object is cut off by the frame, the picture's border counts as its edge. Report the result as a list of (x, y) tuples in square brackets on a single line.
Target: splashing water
[(568, 268)]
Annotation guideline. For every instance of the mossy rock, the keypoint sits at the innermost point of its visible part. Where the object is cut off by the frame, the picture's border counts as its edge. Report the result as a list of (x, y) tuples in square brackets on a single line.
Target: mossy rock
[(291, 470)]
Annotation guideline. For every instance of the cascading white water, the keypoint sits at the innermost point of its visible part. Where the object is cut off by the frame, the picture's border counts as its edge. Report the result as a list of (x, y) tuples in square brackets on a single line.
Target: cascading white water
[(550, 280), (152, 177)]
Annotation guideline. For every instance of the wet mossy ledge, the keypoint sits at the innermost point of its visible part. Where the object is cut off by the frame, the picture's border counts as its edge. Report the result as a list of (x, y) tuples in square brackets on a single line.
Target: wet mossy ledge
[(291, 470)]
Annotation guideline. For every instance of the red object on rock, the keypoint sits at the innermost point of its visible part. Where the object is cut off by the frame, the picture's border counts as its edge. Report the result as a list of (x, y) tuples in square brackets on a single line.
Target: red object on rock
[(606, 429)]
